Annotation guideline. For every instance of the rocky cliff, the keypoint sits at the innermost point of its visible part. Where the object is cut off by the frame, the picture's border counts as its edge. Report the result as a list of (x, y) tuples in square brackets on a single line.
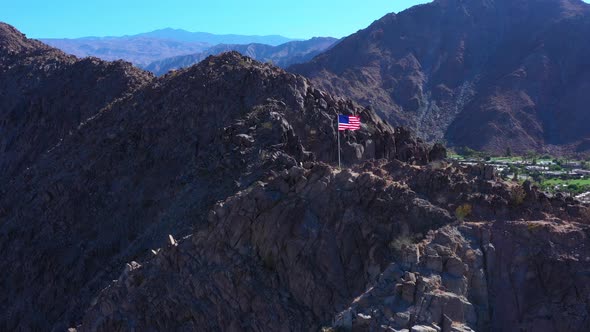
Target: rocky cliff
[(488, 74)]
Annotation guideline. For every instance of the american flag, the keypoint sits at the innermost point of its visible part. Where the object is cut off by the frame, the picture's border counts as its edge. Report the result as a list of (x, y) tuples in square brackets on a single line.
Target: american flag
[(348, 122)]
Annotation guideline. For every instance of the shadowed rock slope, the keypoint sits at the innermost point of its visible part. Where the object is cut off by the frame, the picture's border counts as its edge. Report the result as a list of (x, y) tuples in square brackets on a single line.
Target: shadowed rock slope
[(151, 164), (45, 94), (488, 74)]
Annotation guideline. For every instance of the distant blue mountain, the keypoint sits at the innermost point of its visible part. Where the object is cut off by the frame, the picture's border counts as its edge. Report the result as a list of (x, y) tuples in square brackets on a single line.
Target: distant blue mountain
[(282, 55), (213, 39), (145, 48)]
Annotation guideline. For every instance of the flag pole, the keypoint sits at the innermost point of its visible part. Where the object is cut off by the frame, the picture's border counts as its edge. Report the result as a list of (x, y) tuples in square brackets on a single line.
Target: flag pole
[(338, 133)]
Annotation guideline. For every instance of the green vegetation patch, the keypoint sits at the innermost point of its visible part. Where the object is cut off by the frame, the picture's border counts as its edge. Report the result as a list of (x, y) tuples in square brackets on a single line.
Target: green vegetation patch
[(574, 186)]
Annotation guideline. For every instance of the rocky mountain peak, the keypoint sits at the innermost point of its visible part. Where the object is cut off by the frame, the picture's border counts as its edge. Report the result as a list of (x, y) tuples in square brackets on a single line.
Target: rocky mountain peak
[(232, 58), (216, 67), (469, 72), (12, 40)]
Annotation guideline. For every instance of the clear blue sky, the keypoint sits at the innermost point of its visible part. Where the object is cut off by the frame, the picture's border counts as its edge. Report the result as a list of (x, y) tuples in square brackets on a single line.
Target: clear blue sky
[(295, 19)]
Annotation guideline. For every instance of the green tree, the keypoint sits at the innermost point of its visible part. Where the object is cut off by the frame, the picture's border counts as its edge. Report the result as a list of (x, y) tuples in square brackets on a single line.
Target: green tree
[(531, 156), (508, 152), (515, 178)]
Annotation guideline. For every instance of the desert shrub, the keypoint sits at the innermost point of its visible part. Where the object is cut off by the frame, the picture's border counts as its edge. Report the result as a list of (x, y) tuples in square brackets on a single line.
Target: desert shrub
[(436, 165), (463, 211), (518, 195), (398, 244)]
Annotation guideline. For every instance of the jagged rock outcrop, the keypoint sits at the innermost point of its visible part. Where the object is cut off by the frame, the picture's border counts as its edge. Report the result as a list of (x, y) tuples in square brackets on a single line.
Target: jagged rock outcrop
[(437, 284), (488, 74), (483, 277), (335, 247), (148, 164), (302, 245)]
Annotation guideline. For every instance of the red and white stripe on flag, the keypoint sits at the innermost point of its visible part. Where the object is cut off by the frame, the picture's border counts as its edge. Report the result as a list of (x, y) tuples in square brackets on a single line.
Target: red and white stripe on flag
[(349, 122)]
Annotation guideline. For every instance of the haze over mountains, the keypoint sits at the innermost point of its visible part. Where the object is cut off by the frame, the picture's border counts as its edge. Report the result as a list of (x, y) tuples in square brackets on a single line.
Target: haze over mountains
[(484, 74), (144, 48), (282, 55), (214, 39)]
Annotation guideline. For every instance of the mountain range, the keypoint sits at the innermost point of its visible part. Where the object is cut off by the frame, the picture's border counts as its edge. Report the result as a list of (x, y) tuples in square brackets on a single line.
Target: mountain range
[(213, 39), (511, 71), (282, 55), (486, 74), (144, 48), (212, 198)]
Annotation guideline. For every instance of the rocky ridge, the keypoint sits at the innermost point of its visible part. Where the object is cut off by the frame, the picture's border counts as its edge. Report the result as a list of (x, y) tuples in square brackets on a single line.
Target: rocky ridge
[(149, 164), (46, 94)]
